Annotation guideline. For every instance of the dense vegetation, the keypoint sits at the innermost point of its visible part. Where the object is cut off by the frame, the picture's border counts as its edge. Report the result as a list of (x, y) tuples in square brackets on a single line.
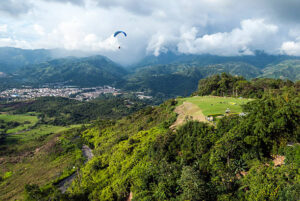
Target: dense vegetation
[(172, 80), (64, 111), (234, 160), (228, 85), (44, 155)]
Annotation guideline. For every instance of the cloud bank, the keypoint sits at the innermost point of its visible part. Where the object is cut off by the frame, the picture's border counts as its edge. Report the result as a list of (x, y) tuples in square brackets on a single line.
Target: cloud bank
[(222, 27)]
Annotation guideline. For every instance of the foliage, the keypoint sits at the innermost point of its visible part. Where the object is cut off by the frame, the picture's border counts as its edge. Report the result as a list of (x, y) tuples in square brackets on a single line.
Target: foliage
[(140, 154), (64, 111), (228, 85), (42, 156)]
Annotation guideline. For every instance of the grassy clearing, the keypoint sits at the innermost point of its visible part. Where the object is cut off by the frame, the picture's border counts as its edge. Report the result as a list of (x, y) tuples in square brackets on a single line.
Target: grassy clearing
[(33, 138), (211, 105), (26, 121)]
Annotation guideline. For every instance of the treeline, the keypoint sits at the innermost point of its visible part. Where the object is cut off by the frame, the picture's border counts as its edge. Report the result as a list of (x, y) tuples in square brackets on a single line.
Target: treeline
[(234, 160), (64, 111), (228, 85)]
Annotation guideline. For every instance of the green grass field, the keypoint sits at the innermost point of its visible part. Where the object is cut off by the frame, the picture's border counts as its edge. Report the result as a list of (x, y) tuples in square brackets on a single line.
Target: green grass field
[(211, 105), (34, 137), (26, 121)]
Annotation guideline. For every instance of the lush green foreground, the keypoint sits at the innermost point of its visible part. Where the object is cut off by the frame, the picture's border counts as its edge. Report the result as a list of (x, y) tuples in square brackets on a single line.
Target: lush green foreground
[(141, 156), (40, 140), (212, 105), (252, 157)]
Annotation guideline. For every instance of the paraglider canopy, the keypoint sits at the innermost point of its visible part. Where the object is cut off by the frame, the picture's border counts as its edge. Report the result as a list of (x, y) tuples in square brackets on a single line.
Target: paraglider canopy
[(118, 32)]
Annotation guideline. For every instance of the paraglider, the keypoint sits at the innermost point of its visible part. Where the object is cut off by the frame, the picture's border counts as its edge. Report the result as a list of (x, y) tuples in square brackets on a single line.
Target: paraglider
[(119, 32)]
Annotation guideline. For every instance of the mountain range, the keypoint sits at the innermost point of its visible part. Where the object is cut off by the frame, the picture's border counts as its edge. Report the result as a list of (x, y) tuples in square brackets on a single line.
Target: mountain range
[(88, 71), (168, 75)]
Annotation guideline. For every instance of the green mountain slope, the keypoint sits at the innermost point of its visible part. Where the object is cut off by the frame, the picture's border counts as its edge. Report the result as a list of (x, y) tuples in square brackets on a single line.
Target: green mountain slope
[(170, 80), (11, 59), (259, 59), (236, 159), (182, 79), (289, 69), (89, 71)]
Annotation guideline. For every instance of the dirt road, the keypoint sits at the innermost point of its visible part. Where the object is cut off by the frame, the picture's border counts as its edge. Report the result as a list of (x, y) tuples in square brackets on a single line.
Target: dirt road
[(65, 183)]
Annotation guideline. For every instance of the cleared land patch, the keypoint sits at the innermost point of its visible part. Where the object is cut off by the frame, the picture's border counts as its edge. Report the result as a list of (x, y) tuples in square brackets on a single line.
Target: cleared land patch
[(26, 121), (199, 107), (213, 105), (187, 111)]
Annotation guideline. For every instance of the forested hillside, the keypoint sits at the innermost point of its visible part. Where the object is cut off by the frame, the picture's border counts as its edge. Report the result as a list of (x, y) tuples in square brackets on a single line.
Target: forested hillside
[(228, 85), (11, 59), (181, 79), (260, 59), (289, 69), (90, 71), (63, 111), (249, 157)]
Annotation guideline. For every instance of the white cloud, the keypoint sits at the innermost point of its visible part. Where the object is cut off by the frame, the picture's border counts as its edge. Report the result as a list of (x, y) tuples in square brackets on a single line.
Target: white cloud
[(291, 48), (161, 42), (253, 34), (38, 29), (71, 35), (224, 27), (9, 42), (3, 28)]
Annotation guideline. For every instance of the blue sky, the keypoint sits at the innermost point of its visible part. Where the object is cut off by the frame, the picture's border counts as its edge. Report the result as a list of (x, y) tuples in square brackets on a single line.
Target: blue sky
[(222, 27)]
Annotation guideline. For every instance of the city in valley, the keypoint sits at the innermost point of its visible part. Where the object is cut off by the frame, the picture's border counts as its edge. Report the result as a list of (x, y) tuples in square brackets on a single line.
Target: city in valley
[(67, 92), (81, 94)]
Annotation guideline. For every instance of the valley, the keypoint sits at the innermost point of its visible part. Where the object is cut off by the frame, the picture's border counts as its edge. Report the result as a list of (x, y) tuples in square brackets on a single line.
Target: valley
[(191, 128), (167, 76)]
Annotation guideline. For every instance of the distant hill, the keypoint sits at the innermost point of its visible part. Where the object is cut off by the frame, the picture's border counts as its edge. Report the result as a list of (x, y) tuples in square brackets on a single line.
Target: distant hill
[(167, 75), (89, 71), (289, 69), (11, 59), (182, 79), (259, 60), (171, 79), (235, 68)]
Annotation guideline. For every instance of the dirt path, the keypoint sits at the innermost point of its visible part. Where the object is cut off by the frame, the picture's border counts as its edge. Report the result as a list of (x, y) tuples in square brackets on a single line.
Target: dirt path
[(87, 152), (130, 196), (65, 183), (188, 111)]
